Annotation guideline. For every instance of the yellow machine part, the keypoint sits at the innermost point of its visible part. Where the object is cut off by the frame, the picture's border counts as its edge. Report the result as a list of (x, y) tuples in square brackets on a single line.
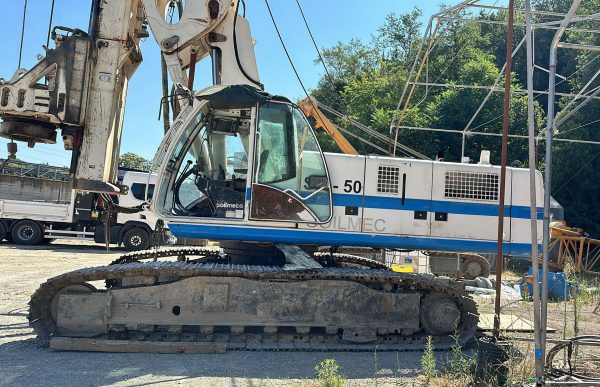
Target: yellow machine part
[(402, 268), (310, 107)]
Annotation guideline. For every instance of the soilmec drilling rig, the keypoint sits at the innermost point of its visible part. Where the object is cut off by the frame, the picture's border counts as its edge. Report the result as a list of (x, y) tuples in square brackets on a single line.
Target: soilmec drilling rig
[(243, 167)]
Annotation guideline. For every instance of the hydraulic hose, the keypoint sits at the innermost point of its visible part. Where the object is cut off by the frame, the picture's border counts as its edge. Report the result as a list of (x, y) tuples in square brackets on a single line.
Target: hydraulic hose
[(235, 49)]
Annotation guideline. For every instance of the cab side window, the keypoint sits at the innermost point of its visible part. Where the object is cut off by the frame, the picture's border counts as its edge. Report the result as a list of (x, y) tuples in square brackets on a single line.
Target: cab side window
[(138, 190)]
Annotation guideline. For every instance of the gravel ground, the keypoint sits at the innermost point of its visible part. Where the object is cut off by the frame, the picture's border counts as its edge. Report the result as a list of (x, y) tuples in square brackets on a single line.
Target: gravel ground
[(24, 362)]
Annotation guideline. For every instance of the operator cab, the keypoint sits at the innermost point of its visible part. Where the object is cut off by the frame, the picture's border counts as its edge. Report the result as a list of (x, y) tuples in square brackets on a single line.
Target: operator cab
[(241, 154)]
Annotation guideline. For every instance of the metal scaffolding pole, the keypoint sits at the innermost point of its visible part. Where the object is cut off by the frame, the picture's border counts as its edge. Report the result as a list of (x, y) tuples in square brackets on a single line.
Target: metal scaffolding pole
[(412, 89), (458, 13), (539, 361), (459, 132), (410, 74), (481, 87), (548, 172), (399, 112), (544, 26)]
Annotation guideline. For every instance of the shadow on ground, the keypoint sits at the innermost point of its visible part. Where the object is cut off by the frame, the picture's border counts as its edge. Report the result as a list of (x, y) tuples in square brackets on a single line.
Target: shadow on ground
[(30, 362), (57, 246)]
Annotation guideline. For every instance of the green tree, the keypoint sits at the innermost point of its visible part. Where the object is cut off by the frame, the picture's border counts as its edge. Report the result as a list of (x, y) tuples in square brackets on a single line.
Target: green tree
[(399, 35), (134, 161)]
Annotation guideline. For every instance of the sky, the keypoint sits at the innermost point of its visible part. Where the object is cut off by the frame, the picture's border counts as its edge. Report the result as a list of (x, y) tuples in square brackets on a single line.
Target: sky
[(331, 21)]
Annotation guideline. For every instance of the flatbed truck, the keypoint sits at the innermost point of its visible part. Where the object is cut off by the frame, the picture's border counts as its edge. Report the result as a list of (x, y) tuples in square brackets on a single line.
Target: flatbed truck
[(34, 211)]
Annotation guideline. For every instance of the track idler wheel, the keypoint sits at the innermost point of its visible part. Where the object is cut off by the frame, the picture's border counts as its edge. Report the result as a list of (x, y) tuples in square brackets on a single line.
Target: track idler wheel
[(476, 266), (439, 314), (71, 289)]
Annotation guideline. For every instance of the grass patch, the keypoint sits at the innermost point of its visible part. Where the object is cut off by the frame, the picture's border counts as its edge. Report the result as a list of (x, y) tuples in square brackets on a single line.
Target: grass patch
[(428, 363), (461, 366), (521, 365), (328, 374)]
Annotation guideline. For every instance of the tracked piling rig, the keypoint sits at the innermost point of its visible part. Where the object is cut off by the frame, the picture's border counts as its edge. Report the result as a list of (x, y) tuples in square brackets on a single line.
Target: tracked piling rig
[(243, 166), (352, 304)]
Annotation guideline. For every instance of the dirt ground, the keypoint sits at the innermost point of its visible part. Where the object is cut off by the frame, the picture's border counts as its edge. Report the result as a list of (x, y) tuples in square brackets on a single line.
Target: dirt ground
[(24, 362)]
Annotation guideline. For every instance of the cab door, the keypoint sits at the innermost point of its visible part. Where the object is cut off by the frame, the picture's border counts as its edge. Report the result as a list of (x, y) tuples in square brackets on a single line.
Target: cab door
[(290, 181)]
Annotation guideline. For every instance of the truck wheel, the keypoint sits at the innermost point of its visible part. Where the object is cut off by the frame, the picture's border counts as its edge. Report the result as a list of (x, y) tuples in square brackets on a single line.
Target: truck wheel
[(2, 231), (136, 239), (27, 232)]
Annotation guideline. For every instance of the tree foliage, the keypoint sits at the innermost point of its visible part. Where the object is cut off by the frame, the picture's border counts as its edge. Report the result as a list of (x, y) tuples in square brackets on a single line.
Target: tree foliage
[(134, 161), (368, 78)]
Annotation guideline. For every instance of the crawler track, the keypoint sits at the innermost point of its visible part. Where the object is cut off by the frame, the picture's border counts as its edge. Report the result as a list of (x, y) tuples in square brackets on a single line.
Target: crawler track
[(202, 262), (345, 260)]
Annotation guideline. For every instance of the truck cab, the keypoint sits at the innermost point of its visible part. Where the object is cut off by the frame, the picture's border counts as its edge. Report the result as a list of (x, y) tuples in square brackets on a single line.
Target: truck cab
[(34, 210), (136, 229)]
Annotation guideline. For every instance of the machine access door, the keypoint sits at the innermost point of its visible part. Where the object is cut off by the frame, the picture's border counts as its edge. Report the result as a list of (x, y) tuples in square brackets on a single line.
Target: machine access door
[(397, 196), (465, 202), (290, 181)]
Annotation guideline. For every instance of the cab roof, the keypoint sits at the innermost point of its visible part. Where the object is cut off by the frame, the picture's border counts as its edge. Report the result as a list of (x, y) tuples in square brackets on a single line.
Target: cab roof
[(237, 95)]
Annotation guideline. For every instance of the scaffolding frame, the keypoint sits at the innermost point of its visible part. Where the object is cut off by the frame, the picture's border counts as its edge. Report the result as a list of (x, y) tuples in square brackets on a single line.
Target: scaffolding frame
[(568, 245), (457, 14), (572, 246)]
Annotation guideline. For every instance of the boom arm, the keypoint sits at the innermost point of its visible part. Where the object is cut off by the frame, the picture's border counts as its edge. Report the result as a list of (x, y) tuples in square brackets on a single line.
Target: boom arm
[(310, 107), (87, 77)]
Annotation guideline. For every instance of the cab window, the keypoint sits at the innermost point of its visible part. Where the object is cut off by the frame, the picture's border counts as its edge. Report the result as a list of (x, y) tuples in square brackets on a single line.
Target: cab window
[(210, 166), (138, 190)]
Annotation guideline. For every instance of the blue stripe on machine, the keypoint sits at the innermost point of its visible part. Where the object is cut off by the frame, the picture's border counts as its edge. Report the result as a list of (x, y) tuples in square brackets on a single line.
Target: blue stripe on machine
[(524, 212), (296, 236), (451, 207), (347, 200)]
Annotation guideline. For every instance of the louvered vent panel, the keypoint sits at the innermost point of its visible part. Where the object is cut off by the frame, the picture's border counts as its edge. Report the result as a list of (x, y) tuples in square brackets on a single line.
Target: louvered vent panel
[(471, 185), (387, 179)]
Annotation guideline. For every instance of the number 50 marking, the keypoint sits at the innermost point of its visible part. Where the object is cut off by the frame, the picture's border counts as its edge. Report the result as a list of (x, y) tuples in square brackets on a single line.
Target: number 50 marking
[(352, 186)]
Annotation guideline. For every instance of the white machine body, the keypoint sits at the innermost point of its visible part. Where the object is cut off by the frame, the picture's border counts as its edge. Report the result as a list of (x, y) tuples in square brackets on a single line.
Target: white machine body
[(372, 201)]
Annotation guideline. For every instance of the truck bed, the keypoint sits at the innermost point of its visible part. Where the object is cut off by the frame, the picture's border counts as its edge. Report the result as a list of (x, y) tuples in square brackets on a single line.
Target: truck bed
[(35, 210)]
